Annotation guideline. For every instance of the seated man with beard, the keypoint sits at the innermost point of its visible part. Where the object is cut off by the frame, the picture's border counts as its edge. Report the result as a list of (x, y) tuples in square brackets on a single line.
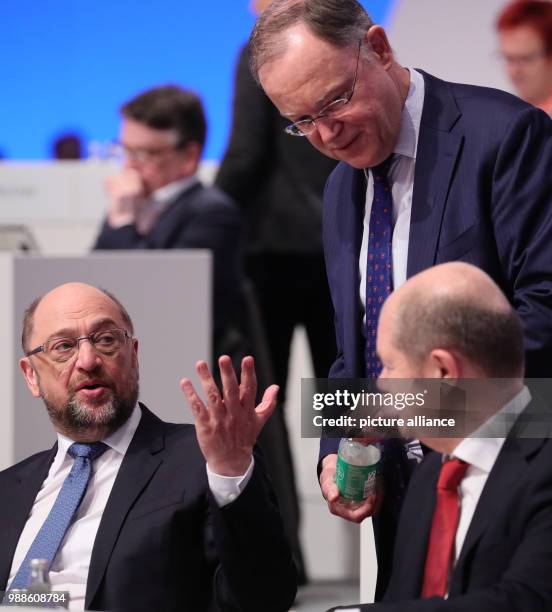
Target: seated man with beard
[(133, 513)]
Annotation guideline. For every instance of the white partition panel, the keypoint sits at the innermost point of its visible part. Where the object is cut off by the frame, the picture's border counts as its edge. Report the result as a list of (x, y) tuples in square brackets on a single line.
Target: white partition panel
[(168, 297)]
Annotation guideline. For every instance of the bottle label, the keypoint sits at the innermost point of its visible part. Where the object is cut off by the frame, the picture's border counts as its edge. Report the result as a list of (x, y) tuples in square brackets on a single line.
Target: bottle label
[(355, 482)]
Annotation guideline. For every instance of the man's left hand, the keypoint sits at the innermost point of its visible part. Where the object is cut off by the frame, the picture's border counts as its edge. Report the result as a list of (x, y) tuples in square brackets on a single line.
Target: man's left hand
[(228, 426)]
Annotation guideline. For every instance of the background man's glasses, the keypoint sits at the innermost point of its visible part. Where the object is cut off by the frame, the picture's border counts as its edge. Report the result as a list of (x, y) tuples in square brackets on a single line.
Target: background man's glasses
[(307, 126), (141, 155), (106, 342)]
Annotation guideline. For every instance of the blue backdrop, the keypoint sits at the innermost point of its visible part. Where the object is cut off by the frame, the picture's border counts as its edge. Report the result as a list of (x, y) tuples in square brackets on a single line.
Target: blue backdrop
[(67, 65)]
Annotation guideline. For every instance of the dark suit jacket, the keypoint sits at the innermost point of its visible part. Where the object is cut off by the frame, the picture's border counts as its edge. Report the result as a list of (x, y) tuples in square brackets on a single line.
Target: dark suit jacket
[(200, 218), (163, 543), (482, 194), (277, 179), (506, 561)]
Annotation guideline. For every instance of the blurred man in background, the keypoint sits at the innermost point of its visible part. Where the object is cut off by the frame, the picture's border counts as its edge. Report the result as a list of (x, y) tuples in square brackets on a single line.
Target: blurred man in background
[(157, 201), (67, 146), (525, 38)]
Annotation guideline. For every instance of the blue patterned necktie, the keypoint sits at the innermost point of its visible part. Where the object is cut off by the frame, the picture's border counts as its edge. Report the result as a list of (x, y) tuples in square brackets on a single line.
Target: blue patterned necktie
[(379, 281), (50, 536)]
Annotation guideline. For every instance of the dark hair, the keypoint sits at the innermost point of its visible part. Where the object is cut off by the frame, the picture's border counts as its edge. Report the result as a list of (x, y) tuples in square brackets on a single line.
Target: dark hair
[(170, 107), (490, 338), (28, 317), (67, 146), (339, 22), (536, 14)]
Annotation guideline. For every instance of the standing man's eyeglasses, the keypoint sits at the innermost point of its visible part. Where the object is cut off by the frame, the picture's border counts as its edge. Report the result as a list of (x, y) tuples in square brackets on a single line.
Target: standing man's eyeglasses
[(304, 127)]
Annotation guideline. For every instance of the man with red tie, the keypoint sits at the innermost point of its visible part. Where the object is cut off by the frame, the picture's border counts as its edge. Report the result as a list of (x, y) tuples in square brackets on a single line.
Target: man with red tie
[(476, 526)]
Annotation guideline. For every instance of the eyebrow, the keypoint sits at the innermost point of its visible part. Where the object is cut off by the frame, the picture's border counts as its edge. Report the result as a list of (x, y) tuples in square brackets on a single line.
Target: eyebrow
[(67, 332), (329, 97)]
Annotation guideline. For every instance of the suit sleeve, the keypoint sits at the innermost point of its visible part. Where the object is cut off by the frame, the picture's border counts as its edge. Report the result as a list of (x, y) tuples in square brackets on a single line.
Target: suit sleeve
[(256, 571), (522, 218)]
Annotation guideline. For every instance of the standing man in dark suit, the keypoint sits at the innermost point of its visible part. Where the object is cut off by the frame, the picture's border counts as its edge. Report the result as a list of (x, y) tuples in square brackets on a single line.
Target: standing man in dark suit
[(430, 172), (157, 201), (476, 528), (278, 182), (131, 512)]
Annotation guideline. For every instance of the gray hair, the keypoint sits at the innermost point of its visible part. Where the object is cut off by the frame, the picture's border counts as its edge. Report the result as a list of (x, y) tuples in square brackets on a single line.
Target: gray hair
[(490, 338), (341, 23)]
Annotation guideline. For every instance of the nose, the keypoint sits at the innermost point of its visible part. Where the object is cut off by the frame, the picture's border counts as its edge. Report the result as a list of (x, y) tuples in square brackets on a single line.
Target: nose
[(87, 356), (129, 162), (328, 128)]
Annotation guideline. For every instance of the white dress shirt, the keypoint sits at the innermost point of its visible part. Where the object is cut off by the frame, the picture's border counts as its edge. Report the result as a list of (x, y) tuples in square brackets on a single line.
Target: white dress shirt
[(401, 175), (481, 454), (69, 570)]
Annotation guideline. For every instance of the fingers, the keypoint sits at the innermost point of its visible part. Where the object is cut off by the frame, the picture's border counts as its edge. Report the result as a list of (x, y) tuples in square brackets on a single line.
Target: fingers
[(248, 384), (354, 512), (329, 488), (194, 401), (210, 389), (230, 388)]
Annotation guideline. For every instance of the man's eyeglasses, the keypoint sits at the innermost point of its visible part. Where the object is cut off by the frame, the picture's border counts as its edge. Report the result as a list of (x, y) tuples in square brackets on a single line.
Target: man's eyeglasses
[(304, 127), (522, 60), (141, 155), (106, 342)]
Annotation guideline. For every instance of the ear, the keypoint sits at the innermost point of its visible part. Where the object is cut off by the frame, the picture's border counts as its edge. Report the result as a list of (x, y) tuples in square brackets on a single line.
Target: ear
[(31, 377), (377, 39), (442, 363), (191, 156)]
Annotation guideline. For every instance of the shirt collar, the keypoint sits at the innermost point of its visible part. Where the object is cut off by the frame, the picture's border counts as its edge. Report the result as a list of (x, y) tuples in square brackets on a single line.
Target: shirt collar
[(119, 441), (166, 194), (480, 451), (411, 116)]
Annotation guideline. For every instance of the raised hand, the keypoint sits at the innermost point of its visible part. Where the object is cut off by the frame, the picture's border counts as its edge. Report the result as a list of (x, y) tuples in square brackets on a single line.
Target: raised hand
[(228, 425)]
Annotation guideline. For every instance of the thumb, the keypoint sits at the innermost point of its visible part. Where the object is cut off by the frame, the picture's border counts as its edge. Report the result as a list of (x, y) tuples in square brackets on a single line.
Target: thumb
[(267, 406)]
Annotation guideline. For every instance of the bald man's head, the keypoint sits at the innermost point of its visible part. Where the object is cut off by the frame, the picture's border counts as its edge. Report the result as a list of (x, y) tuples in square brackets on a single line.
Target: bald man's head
[(456, 306), (81, 359), (69, 288)]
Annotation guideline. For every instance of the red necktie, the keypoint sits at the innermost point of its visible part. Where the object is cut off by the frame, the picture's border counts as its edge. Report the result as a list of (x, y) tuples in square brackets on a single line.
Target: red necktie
[(443, 528)]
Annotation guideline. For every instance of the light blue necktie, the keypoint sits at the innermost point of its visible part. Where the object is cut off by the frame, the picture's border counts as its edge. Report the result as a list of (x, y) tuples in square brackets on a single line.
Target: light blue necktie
[(50, 536)]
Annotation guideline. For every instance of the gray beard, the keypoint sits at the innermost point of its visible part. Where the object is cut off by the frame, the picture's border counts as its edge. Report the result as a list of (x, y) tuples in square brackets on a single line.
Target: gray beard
[(76, 417)]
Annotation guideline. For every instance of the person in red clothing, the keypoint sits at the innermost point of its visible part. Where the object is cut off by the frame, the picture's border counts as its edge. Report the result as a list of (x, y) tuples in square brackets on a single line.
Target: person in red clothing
[(525, 39)]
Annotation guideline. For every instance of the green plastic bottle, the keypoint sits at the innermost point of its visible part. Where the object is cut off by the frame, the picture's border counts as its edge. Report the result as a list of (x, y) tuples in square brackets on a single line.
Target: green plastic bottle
[(357, 469)]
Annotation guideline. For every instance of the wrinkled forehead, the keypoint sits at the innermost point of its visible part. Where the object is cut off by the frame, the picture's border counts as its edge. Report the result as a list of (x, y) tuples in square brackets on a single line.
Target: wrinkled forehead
[(73, 308), (305, 70), (132, 133)]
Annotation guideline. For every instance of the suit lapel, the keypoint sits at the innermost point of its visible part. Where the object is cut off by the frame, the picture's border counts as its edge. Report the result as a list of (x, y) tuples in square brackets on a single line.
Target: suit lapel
[(354, 332), (413, 536), (140, 463), (173, 218), (15, 511), (438, 149), (507, 471)]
